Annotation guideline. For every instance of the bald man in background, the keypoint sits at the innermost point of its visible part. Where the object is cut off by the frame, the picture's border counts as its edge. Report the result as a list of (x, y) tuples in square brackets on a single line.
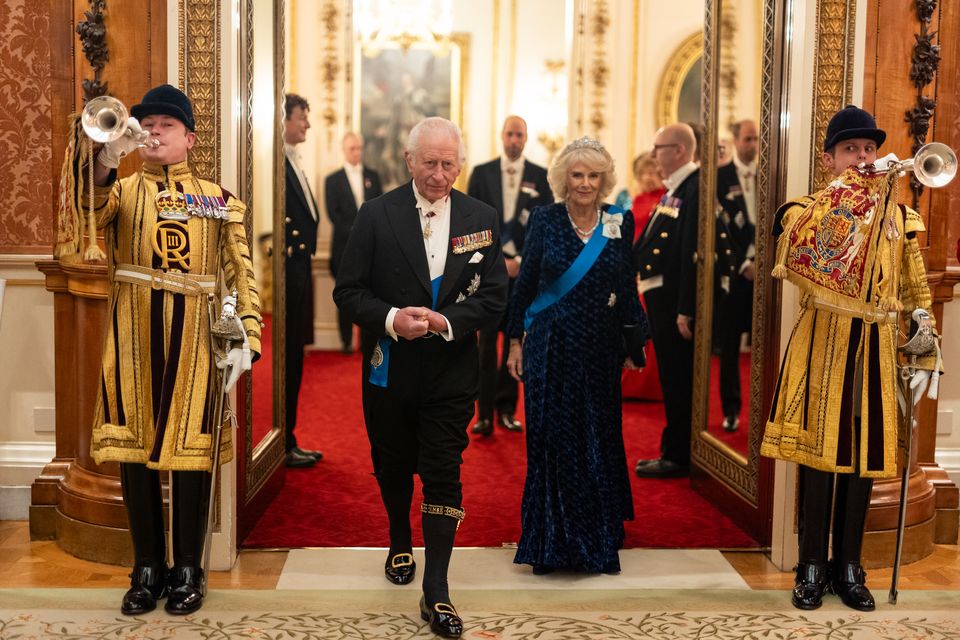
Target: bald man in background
[(344, 191), (513, 186), (664, 258)]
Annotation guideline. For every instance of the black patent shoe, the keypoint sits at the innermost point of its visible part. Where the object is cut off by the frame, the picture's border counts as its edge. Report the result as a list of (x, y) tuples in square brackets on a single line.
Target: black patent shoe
[(186, 590), (400, 568), (811, 582), (848, 582), (510, 423), (731, 423), (443, 618), (147, 585), (484, 427), (661, 468)]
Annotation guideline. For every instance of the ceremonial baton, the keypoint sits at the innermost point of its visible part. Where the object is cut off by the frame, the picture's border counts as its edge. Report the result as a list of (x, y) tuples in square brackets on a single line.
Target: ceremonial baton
[(223, 333), (922, 342), (906, 377)]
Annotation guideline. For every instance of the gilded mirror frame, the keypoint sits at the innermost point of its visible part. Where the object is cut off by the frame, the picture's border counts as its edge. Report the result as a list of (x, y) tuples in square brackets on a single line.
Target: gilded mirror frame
[(200, 56), (681, 61), (748, 477), (262, 458)]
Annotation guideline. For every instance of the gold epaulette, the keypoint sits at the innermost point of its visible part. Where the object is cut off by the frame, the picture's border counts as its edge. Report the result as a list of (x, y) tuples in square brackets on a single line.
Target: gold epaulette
[(912, 221)]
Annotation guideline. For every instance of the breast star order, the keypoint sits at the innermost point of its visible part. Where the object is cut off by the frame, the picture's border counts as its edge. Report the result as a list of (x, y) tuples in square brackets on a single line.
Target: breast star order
[(474, 284)]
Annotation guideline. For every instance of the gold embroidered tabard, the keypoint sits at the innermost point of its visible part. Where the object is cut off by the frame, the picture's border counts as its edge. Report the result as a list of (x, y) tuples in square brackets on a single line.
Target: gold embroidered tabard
[(166, 257), (852, 251), (842, 248)]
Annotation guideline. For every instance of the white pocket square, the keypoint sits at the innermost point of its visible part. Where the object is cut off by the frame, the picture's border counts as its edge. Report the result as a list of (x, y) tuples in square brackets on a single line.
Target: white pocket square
[(476, 257)]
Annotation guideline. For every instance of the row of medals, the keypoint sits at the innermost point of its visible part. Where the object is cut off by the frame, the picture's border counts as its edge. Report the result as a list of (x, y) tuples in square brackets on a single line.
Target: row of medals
[(173, 205)]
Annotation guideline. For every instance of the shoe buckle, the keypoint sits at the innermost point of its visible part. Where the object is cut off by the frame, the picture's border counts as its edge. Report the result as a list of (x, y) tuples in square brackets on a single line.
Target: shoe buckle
[(401, 560), (445, 608)]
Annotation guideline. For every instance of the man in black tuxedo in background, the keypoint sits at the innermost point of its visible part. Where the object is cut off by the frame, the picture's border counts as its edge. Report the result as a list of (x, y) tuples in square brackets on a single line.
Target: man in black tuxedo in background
[(664, 258), (514, 187), (344, 191), (737, 193), (300, 231), (422, 272)]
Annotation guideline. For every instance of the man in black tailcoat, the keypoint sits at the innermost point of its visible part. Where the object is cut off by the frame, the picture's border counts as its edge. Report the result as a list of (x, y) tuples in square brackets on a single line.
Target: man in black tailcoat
[(737, 193), (514, 187), (664, 257), (422, 272), (343, 193), (300, 242)]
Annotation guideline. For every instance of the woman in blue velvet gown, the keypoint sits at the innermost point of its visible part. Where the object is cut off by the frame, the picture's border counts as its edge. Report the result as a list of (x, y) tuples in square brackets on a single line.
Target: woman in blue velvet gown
[(577, 491)]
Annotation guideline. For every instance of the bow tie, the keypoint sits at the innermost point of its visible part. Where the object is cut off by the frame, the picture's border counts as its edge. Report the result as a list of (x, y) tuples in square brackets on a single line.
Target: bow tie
[(431, 210)]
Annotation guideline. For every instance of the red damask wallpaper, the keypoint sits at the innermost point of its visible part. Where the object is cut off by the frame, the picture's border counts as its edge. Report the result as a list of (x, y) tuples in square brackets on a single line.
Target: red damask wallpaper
[(26, 179)]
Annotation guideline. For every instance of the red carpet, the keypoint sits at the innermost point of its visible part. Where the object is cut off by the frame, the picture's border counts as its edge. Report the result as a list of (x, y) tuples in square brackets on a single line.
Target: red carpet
[(337, 503)]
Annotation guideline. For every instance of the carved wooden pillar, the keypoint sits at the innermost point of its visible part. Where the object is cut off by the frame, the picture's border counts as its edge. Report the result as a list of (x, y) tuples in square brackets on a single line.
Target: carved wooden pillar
[(74, 500), (911, 100)]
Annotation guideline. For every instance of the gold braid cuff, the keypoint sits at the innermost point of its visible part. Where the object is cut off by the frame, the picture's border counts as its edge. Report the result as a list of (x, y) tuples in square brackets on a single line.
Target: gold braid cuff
[(440, 510)]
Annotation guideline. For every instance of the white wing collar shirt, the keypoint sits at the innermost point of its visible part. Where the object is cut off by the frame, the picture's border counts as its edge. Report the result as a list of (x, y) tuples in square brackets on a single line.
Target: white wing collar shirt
[(355, 178), (435, 227), (747, 174), (511, 173), (293, 156)]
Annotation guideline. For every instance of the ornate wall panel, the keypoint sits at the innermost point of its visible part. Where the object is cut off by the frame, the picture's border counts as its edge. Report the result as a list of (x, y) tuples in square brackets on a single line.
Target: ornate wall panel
[(899, 76), (834, 73), (26, 190), (199, 65)]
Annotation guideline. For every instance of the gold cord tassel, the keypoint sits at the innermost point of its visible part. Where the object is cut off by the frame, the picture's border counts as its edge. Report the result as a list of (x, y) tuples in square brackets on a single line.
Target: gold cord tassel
[(93, 252), (68, 210)]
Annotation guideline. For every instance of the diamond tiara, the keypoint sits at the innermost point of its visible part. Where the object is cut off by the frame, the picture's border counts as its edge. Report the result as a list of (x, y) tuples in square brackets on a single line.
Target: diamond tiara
[(585, 143)]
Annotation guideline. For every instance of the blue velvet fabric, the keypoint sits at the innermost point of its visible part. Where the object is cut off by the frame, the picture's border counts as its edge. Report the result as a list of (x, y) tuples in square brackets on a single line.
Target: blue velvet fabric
[(577, 491)]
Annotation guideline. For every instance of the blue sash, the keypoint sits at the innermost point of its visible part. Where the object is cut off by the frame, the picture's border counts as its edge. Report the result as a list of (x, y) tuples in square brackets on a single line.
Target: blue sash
[(569, 278), (380, 362)]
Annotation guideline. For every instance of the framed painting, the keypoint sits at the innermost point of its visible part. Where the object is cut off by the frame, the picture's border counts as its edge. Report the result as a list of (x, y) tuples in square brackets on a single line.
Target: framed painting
[(398, 87)]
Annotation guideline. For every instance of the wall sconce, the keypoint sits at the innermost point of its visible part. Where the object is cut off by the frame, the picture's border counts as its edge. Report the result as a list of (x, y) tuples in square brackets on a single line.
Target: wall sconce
[(552, 142)]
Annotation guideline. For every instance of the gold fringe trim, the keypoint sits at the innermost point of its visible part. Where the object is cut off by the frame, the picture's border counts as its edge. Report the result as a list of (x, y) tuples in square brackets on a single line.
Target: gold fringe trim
[(71, 177), (93, 252)]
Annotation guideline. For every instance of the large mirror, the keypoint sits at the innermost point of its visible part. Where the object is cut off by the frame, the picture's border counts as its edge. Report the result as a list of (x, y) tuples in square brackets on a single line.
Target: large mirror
[(261, 416), (741, 186)]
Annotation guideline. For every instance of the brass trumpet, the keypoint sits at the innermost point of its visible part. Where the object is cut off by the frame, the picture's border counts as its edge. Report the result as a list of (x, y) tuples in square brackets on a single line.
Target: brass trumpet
[(104, 119)]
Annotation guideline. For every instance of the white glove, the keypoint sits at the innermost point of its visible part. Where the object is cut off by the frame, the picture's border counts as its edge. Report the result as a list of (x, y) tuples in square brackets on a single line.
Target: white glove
[(113, 152), (237, 361), (919, 384), (883, 164)]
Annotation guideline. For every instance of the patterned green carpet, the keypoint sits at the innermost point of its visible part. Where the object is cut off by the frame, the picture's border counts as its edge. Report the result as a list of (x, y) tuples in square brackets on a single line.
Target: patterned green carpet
[(81, 614)]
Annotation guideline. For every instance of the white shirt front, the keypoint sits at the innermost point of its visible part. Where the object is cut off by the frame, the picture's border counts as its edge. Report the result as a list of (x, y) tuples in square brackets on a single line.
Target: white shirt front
[(435, 241), (435, 244), (511, 177), (290, 151), (355, 178), (747, 175), (677, 177)]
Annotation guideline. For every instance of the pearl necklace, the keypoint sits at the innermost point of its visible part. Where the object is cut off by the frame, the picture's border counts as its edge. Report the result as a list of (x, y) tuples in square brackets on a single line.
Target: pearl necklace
[(580, 232)]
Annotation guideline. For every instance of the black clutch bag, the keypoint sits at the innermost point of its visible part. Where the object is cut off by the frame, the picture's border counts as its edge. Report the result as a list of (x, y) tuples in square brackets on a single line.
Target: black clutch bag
[(634, 339)]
